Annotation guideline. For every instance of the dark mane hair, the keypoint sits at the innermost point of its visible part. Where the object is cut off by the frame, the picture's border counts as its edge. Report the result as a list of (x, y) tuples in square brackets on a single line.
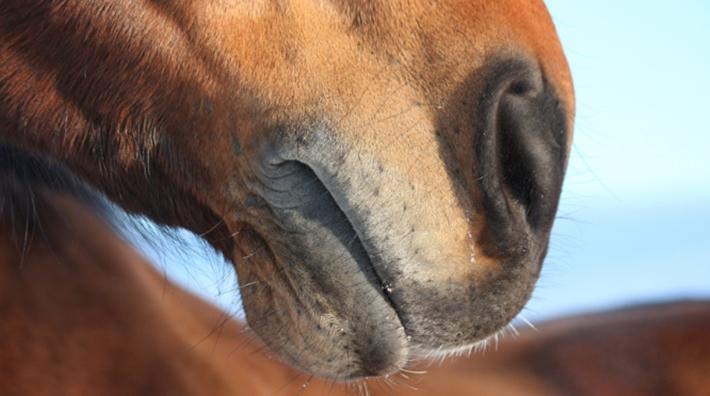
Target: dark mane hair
[(26, 180), (28, 184)]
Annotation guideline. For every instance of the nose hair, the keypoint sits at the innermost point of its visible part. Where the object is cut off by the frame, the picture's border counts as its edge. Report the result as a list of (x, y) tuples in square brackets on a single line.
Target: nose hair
[(521, 155)]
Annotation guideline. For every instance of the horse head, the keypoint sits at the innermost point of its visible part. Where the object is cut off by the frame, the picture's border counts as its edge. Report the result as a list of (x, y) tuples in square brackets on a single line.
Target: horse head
[(384, 175)]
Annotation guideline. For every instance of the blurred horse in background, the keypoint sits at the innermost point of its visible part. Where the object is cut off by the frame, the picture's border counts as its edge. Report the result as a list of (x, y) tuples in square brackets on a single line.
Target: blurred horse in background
[(84, 314)]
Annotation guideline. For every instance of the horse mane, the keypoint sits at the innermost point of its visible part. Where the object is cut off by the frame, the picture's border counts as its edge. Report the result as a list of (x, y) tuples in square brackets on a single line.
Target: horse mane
[(25, 181), (30, 182)]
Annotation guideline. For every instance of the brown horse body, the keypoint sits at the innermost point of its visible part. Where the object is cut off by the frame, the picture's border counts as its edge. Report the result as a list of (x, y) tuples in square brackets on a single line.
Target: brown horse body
[(85, 314)]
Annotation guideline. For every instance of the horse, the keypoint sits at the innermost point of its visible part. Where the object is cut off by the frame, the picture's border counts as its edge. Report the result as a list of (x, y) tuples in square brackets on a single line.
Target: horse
[(85, 314), (386, 173)]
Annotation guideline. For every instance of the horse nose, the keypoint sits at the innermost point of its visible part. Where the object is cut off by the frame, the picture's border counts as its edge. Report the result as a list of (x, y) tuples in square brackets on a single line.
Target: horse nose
[(521, 155)]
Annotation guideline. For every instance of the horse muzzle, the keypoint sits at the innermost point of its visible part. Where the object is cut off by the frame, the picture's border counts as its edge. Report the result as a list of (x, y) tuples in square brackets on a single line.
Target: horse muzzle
[(363, 256)]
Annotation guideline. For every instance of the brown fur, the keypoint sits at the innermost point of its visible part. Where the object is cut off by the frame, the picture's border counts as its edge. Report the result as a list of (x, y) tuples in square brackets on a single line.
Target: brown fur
[(349, 157)]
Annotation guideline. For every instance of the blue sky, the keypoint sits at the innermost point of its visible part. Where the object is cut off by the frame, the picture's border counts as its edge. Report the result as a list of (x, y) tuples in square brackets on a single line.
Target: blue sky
[(635, 213)]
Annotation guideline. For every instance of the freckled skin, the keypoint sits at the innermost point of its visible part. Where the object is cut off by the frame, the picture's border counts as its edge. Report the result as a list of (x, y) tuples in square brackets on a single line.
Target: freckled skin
[(386, 172)]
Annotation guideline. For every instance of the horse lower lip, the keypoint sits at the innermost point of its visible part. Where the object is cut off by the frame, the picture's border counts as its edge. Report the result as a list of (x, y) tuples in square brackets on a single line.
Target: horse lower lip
[(326, 285), (385, 287), (320, 191), (375, 323)]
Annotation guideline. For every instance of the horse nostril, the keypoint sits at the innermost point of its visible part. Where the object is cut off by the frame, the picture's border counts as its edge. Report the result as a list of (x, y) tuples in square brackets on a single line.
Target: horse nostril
[(531, 152), (521, 155)]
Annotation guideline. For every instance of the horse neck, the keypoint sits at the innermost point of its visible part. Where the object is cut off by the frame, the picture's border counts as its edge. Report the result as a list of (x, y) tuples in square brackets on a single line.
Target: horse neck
[(96, 86)]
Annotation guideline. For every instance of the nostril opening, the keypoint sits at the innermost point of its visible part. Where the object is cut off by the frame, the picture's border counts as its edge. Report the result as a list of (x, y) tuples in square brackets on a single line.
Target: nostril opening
[(517, 175), (521, 154), (520, 87), (530, 150)]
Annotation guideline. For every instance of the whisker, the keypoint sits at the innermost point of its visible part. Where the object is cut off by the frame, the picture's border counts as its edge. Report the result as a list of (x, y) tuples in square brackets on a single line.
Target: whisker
[(527, 322)]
